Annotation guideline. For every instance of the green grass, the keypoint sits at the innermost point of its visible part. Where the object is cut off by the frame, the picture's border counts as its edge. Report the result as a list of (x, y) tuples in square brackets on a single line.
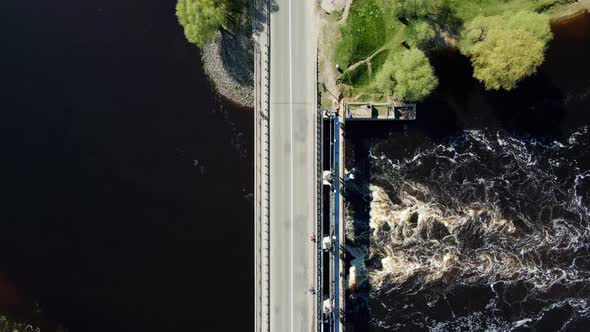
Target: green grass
[(363, 33), (378, 60), (359, 76), (371, 26), (468, 9)]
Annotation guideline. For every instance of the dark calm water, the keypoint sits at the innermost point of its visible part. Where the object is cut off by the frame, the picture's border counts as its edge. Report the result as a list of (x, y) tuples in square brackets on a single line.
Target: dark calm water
[(476, 216), (125, 180)]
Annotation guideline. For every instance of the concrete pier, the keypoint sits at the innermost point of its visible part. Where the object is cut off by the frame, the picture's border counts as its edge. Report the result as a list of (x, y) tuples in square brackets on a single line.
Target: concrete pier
[(357, 111)]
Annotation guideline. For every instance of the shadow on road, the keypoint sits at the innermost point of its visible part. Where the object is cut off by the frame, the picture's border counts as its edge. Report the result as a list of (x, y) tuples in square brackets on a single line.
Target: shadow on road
[(260, 14)]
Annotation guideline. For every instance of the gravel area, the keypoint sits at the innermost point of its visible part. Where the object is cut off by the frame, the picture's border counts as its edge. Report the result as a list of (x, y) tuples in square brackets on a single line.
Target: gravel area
[(330, 6), (229, 63)]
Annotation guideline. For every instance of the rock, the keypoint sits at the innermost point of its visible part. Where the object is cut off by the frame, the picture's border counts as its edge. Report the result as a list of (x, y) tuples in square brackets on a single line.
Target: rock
[(330, 6), (229, 63)]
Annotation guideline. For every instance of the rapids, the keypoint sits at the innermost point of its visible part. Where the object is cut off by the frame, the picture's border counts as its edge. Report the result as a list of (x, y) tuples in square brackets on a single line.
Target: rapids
[(485, 232)]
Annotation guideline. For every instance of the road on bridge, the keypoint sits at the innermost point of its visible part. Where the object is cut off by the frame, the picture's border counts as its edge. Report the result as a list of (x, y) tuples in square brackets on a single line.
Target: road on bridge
[(292, 165)]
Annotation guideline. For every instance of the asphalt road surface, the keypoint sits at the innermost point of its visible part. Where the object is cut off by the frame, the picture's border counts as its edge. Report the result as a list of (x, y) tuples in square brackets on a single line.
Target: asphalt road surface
[(292, 165)]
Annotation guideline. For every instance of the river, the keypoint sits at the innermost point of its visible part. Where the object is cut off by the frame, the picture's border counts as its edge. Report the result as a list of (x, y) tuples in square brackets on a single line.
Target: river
[(475, 216), (127, 182), (127, 185)]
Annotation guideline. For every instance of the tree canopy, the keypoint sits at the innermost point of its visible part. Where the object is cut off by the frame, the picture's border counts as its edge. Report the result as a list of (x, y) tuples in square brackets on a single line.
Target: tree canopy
[(414, 9), (201, 19), (419, 33), (408, 75), (506, 48)]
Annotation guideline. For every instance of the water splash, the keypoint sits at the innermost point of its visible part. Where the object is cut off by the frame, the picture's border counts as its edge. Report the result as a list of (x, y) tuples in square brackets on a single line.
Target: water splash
[(489, 229)]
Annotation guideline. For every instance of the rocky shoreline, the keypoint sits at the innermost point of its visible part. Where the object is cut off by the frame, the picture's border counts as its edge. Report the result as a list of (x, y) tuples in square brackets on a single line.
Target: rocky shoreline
[(228, 61)]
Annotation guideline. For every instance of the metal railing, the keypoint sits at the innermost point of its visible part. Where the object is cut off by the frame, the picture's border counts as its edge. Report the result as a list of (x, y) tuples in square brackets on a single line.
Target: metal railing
[(336, 247), (261, 8), (319, 206)]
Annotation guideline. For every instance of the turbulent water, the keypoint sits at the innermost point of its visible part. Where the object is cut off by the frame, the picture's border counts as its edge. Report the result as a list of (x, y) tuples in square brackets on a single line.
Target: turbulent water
[(485, 232)]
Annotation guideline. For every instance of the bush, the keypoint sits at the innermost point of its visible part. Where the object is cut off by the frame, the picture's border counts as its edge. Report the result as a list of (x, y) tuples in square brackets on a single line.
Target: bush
[(202, 19), (416, 9), (506, 48), (407, 75), (420, 33)]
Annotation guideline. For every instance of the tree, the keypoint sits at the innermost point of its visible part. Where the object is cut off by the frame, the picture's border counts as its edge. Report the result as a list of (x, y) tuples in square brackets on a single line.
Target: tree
[(505, 49), (201, 19), (408, 75), (415, 9), (420, 33)]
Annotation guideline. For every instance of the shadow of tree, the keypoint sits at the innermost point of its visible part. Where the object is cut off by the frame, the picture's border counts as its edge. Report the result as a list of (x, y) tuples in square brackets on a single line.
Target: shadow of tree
[(237, 45), (449, 20), (237, 56), (261, 9)]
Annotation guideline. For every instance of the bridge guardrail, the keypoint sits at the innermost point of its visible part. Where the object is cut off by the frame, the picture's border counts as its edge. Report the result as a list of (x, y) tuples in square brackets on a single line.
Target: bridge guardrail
[(261, 10), (319, 203)]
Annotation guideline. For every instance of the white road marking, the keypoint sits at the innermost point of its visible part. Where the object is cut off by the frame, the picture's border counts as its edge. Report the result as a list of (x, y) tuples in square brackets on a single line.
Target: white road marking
[(292, 145)]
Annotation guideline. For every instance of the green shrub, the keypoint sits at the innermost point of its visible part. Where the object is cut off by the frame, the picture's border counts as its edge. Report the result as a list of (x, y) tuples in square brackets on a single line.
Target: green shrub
[(201, 19), (420, 33), (407, 75), (416, 9)]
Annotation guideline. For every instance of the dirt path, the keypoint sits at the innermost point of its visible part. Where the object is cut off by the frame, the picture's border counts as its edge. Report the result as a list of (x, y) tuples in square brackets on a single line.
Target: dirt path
[(346, 11), (329, 33), (365, 60), (388, 46)]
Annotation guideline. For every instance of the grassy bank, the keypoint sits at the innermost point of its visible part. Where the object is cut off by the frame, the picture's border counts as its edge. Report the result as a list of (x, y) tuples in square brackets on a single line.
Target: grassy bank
[(467, 10), (374, 32)]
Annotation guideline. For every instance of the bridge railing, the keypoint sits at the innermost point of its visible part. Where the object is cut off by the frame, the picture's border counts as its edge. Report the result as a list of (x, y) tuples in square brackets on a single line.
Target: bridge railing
[(319, 204), (261, 18)]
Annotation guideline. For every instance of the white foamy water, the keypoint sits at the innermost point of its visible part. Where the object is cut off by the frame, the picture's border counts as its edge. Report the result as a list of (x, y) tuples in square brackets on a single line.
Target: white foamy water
[(487, 232)]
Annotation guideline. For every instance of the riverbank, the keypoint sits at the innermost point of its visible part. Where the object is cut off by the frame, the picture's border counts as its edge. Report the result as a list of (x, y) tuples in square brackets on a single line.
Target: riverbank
[(228, 61), (222, 30), (468, 147), (578, 8), (361, 53)]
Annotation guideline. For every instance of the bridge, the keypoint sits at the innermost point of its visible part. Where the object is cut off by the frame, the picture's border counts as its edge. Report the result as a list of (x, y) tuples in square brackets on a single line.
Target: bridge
[(299, 175), (298, 220)]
